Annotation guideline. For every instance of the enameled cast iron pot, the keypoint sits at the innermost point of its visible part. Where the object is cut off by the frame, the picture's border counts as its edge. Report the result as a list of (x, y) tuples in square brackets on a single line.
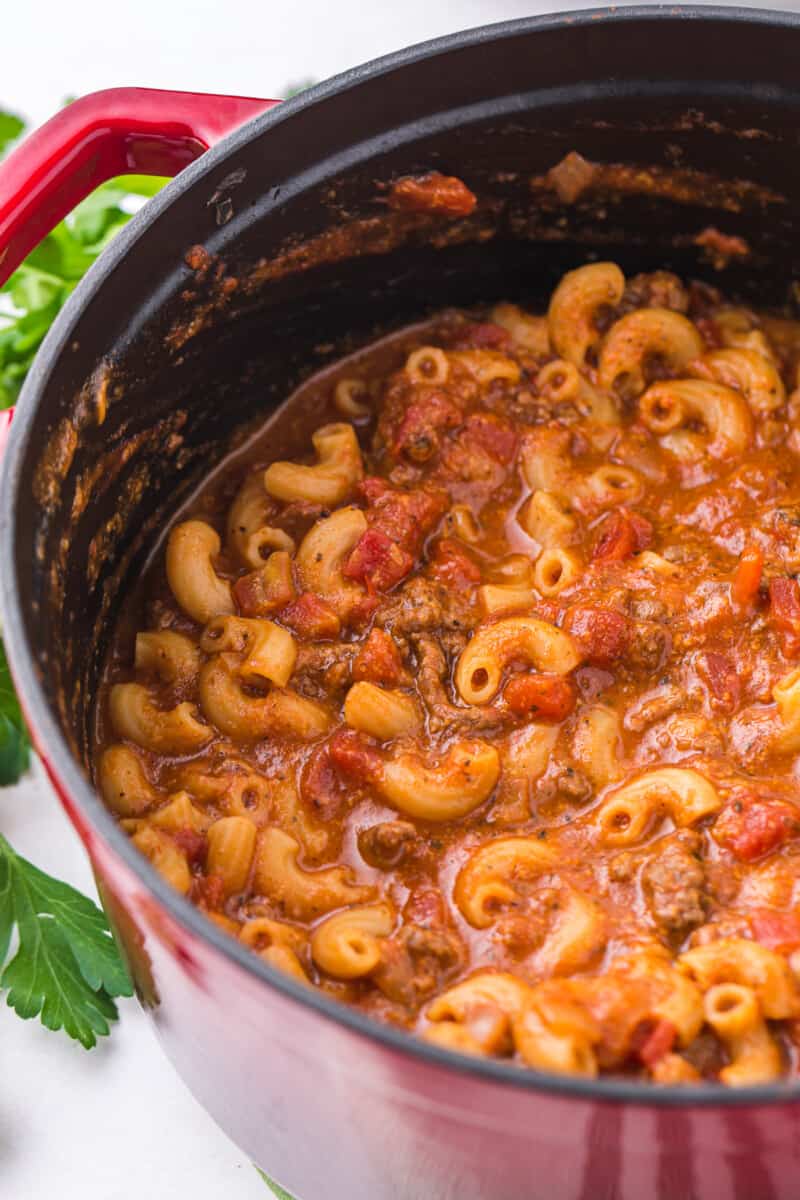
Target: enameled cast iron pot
[(154, 364)]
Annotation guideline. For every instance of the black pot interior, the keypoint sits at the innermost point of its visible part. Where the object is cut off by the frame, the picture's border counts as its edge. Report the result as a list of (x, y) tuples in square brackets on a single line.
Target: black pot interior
[(112, 449)]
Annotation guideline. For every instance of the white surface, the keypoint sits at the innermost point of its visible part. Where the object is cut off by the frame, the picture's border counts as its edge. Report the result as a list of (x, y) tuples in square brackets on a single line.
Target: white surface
[(242, 47), (112, 1123), (117, 1123)]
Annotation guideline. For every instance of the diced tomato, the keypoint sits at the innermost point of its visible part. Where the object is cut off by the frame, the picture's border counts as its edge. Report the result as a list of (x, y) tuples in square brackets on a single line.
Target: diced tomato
[(405, 517), (747, 576), (784, 613), (483, 336), (779, 931), (311, 617), (321, 787), (261, 593), (363, 609), (354, 756), (418, 432), (720, 675), (622, 534), (378, 660), (432, 193), (658, 1042), (493, 435), (452, 565), (335, 771), (751, 827), (377, 561), (193, 844), (601, 632), (548, 697)]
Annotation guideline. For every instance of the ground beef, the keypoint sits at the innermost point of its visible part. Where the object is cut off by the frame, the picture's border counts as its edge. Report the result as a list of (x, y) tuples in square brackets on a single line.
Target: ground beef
[(388, 844), (422, 606), (417, 963), (751, 736), (673, 882), (647, 647), (430, 675), (657, 289), (323, 668), (648, 609), (565, 782), (573, 785)]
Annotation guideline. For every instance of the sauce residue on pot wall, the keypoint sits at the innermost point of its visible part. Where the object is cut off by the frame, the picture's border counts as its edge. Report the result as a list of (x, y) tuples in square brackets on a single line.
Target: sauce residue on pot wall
[(575, 177)]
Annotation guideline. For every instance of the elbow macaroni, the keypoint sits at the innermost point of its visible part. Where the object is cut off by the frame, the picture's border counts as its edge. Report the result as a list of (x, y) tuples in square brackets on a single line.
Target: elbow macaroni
[(249, 530), (331, 480), (302, 895), (466, 721), (122, 780), (381, 712), (750, 373), (201, 593), (645, 334), (733, 1013), (480, 667), (267, 651), (348, 944), (462, 781), (574, 307), (250, 718), (490, 876), (322, 554), (629, 812), (134, 716), (170, 656), (736, 960), (666, 407), (597, 742)]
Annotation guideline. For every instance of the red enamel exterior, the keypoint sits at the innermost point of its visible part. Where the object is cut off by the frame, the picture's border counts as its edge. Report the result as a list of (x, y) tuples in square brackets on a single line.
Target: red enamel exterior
[(120, 131), (6, 417), (329, 1105), (389, 1127)]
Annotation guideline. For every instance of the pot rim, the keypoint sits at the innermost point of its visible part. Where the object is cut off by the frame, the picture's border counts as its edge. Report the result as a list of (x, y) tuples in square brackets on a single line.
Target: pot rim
[(64, 769)]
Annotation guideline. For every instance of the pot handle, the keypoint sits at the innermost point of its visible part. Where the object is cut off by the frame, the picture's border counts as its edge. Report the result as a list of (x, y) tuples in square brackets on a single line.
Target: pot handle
[(119, 131)]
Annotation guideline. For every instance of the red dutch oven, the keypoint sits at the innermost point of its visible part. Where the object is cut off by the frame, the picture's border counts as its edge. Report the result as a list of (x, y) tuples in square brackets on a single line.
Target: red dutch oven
[(164, 353)]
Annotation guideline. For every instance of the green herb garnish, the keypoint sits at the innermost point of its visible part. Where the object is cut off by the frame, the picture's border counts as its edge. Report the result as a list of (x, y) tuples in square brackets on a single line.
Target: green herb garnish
[(66, 968), (277, 1191), (30, 300), (14, 744)]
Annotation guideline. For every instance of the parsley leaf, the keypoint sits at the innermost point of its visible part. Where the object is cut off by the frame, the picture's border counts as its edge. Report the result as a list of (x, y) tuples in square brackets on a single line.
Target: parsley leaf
[(14, 745), (11, 126), (66, 968), (294, 89), (273, 1187)]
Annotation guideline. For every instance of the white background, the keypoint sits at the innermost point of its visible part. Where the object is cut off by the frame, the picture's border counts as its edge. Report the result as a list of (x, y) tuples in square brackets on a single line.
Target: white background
[(117, 1123)]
